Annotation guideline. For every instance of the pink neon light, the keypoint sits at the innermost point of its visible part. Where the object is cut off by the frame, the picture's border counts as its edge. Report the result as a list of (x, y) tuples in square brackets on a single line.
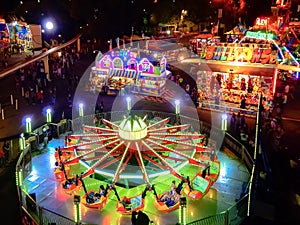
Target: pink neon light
[(145, 66), (163, 63), (275, 81), (106, 62)]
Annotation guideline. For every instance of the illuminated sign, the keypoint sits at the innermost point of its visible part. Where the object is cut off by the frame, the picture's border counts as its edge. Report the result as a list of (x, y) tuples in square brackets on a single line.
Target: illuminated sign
[(132, 63), (251, 54), (260, 35), (106, 62), (163, 63), (145, 66), (118, 63), (262, 21)]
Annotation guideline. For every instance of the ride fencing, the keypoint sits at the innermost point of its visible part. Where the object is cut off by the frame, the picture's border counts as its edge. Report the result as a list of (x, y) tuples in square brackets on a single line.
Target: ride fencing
[(42, 216), (235, 215)]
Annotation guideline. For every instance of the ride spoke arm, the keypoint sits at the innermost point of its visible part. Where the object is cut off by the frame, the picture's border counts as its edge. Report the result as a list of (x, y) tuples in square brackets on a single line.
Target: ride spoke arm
[(181, 127), (191, 159), (116, 176), (91, 135), (154, 162), (99, 129), (72, 147), (126, 162), (173, 141), (172, 170), (97, 157), (110, 123), (110, 162), (141, 163), (76, 159), (179, 134), (158, 123), (107, 154)]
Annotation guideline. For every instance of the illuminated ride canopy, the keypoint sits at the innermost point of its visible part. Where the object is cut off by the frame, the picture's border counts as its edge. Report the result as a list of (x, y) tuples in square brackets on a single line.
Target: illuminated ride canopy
[(136, 149)]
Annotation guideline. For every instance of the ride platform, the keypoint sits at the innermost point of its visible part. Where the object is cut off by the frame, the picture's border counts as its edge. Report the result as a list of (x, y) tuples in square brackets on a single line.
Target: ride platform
[(51, 195)]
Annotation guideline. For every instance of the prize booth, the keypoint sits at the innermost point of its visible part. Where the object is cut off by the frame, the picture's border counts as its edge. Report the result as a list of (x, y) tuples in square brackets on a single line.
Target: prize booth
[(232, 72), (243, 70), (100, 73), (125, 70)]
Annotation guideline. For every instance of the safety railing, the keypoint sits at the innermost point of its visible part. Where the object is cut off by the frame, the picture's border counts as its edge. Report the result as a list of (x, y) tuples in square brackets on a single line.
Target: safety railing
[(40, 215)]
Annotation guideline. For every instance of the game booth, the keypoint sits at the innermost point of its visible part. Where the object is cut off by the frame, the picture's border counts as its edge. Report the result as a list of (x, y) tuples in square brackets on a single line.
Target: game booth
[(125, 71), (233, 71)]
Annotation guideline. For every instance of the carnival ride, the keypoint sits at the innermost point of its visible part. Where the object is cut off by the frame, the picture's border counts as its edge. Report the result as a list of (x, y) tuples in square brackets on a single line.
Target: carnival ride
[(138, 150)]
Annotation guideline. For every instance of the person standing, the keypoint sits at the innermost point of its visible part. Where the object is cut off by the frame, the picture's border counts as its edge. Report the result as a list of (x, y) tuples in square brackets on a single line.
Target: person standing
[(232, 122), (6, 152), (243, 103), (2, 159), (243, 120)]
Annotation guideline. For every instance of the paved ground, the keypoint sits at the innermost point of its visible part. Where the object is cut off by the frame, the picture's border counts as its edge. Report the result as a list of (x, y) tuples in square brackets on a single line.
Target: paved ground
[(275, 206)]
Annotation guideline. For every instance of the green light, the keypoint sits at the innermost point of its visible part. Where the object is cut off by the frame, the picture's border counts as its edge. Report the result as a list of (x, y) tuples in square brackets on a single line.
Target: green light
[(260, 35), (81, 109), (19, 178), (22, 143), (28, 125), (48, 116), (177, 106), (128, 100), (182, 215), (224, 122), (77, 209)]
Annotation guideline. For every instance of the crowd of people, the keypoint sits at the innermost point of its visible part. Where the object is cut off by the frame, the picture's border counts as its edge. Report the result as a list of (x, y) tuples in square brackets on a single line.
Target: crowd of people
[(39, 86)]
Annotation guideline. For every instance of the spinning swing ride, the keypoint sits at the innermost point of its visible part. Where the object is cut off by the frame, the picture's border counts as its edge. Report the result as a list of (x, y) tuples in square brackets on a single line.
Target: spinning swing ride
[(138, 150)]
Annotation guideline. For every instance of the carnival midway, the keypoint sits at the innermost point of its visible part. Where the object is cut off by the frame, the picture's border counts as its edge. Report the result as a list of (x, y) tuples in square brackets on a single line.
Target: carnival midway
[(105, 168)]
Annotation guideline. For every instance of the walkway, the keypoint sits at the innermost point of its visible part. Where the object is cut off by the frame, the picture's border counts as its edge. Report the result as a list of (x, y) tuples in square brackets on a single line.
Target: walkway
[(276, 198)]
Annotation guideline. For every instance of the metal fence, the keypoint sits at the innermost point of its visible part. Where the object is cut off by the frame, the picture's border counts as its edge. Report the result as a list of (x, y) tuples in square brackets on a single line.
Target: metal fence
[(233, 216)]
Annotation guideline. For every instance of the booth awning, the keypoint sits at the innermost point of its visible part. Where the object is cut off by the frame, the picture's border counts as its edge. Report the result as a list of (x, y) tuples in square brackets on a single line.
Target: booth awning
[(243, 69), (125, 73), (258, 69)]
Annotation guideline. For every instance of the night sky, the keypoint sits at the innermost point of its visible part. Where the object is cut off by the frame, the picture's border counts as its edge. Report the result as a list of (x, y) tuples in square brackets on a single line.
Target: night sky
[(117, 17)]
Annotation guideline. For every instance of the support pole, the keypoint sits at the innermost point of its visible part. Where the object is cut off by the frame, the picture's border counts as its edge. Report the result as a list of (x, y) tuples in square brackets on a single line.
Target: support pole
[(81, 110), (182, 211), (77, 209)]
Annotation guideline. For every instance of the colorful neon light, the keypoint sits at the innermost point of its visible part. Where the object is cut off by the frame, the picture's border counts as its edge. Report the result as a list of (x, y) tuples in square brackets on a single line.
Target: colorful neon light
[(118, 63), (260, 35), (145, 66), (254, 54)]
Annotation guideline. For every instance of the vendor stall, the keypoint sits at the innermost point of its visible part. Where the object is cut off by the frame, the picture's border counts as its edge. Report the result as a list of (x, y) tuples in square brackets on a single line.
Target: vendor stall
[(125, 70), (152, 79)]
